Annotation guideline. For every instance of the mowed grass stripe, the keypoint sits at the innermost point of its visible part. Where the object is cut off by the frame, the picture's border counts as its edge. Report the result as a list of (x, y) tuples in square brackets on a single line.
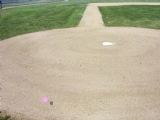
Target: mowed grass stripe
[(21, 20), (145, 16)]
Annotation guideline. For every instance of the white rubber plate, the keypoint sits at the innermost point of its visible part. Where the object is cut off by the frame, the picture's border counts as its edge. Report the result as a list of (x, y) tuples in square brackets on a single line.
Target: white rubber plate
[(107, 43)]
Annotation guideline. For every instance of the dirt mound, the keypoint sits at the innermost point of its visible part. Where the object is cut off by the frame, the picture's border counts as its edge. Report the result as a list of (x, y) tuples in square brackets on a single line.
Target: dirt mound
[(84, 79)]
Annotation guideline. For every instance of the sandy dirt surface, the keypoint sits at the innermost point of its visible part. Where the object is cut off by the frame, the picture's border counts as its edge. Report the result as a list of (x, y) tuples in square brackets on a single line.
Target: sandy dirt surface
[(84, 79)]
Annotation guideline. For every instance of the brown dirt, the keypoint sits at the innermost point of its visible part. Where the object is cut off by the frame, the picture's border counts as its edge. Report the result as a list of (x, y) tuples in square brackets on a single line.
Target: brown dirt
[(84, 79)]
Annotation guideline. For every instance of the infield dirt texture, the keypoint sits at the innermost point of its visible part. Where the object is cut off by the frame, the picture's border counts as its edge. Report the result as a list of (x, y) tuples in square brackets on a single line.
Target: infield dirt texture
[(84, 79)]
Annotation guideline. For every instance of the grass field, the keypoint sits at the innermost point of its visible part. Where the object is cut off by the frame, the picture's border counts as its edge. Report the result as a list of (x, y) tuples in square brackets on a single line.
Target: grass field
[(146, 16), (21, 20)]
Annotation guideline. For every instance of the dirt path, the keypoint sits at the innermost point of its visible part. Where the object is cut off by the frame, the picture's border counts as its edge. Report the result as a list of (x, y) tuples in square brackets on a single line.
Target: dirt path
[(92, 18), (84, 79)]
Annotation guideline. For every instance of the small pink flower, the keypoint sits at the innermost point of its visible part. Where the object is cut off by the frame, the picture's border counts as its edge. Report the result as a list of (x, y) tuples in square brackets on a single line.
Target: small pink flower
[(108, 22), (44, 99)]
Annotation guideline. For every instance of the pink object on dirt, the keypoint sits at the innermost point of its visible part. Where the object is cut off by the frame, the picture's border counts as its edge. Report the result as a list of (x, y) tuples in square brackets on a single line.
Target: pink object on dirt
[(44, 99)]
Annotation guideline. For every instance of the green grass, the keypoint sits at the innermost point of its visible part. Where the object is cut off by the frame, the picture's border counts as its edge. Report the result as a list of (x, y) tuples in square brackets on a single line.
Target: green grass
[(146, 16), (4, 118), (21, 20)]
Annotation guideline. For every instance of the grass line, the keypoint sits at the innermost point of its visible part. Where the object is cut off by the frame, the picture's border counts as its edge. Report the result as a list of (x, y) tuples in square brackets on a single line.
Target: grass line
[(21, 20), (146, 16), (76, 17)]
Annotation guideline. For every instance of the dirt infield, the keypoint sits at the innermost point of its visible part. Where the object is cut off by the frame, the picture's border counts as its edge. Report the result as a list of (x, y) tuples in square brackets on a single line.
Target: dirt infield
[(84, 79)]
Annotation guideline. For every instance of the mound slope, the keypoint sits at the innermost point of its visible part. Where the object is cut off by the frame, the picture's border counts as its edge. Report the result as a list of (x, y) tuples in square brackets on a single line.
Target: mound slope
[(84, 79)]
